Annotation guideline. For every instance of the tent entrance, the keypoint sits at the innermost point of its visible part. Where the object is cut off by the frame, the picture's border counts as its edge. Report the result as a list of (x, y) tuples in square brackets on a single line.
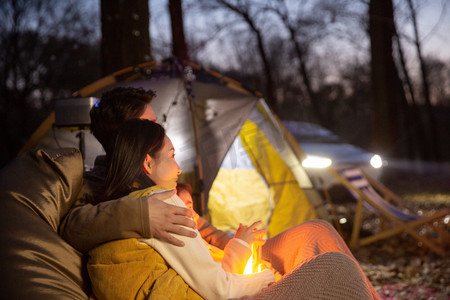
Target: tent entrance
[(257, 180), (239, 193)]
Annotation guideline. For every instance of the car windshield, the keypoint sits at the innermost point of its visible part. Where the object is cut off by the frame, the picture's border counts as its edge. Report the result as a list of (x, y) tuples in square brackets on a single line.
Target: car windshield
[(309, 132)]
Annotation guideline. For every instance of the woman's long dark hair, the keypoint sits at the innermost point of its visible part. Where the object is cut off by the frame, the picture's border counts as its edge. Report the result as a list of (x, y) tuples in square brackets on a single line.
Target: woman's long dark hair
[(132, 141)]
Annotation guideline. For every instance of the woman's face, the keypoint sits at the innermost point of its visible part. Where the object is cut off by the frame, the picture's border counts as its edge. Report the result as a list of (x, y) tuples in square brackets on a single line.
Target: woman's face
[(163, 169)]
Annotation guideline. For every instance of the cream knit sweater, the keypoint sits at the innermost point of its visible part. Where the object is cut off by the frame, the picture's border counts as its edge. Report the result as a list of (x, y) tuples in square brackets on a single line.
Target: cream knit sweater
[(196, 266)]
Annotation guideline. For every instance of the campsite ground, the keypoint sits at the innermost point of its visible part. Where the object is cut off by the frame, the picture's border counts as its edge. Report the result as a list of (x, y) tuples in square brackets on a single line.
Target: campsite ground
[(398, 267)]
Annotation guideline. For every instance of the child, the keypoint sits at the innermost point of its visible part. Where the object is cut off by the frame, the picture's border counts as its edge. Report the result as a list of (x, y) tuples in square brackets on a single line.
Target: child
[(237, 251)]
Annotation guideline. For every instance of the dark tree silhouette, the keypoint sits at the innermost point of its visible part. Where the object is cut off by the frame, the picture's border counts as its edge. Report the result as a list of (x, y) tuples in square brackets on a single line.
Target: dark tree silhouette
[(415, 130), (125, 34), (242, 9), (294, 28), (47, 51), (389, 107), (431, 124), (179, 47)]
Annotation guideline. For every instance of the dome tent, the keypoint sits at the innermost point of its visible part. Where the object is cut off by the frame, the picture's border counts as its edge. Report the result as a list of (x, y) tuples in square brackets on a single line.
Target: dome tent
[(216, 126)]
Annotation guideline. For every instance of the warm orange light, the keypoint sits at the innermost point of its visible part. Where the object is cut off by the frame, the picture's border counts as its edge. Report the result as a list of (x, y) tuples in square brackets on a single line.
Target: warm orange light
[(249, 266), (254, 262)]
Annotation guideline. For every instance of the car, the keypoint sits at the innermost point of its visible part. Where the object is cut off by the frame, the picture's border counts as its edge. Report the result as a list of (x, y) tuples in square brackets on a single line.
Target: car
[(324, 150)]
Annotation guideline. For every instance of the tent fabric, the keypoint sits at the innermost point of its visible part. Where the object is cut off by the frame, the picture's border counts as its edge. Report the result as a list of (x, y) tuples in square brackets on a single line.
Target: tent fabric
[(220, 106), (220, 113), (291, 205), (238, 196), (247, 201), (279, 139)]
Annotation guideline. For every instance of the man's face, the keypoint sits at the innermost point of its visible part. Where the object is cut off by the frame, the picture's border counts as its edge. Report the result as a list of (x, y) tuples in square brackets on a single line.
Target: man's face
[(149, 114)]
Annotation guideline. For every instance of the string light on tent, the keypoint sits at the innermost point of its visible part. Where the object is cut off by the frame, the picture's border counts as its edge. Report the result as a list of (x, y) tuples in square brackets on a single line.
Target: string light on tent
[(447, 219)]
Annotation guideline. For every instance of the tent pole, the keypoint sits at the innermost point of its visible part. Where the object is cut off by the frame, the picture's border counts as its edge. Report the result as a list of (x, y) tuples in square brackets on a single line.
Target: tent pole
[(188, 78)]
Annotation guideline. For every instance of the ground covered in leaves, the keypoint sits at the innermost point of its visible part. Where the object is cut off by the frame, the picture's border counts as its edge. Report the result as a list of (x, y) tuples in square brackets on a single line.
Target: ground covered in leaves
[(399, 267)]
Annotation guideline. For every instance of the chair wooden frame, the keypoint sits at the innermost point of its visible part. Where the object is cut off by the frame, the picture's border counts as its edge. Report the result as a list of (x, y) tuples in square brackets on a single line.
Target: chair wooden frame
[(409, 226)]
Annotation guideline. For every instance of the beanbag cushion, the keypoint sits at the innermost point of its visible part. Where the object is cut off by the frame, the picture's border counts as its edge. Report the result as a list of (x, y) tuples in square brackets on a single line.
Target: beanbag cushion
[(36, 191)]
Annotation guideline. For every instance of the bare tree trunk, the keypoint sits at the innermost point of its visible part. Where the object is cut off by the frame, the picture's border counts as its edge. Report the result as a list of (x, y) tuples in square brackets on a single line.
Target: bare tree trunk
[(269, 89), (389, 133), (125, 34), (433, 145), (302, 64), (415, 129), (404, 69), (309, 90), (179, 47)]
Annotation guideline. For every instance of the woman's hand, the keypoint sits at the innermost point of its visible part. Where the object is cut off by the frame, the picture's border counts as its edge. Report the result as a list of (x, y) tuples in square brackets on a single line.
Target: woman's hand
[(166, 219), (251, 234)]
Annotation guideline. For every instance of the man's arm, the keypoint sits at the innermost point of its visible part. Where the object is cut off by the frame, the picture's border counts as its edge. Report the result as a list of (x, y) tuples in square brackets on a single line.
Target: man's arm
[(166, 218), (87, 226)]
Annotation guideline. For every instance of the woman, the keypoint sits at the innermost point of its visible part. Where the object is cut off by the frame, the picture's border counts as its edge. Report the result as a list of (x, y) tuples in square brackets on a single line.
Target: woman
[(142, 155)]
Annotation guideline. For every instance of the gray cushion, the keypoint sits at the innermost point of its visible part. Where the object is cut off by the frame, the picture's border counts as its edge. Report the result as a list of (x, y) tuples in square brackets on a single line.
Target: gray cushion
[(36, 191)]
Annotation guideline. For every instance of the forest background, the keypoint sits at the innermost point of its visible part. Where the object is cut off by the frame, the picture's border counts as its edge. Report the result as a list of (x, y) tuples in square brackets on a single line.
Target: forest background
[(375, 72)]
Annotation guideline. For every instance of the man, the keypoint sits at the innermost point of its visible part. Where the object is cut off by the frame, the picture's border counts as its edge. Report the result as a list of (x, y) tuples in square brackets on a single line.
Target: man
[(89, 224)]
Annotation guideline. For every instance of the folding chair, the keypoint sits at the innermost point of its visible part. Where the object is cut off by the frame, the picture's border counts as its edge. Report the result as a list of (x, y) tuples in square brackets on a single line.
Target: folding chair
[(359, 185)]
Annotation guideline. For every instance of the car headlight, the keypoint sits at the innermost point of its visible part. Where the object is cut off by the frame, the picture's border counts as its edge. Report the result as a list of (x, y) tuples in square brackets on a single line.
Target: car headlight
[(318, 162), (376, 161)]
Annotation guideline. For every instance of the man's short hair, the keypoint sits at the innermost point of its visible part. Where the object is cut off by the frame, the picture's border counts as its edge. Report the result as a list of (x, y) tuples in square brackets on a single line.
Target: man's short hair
[(115, 107)]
